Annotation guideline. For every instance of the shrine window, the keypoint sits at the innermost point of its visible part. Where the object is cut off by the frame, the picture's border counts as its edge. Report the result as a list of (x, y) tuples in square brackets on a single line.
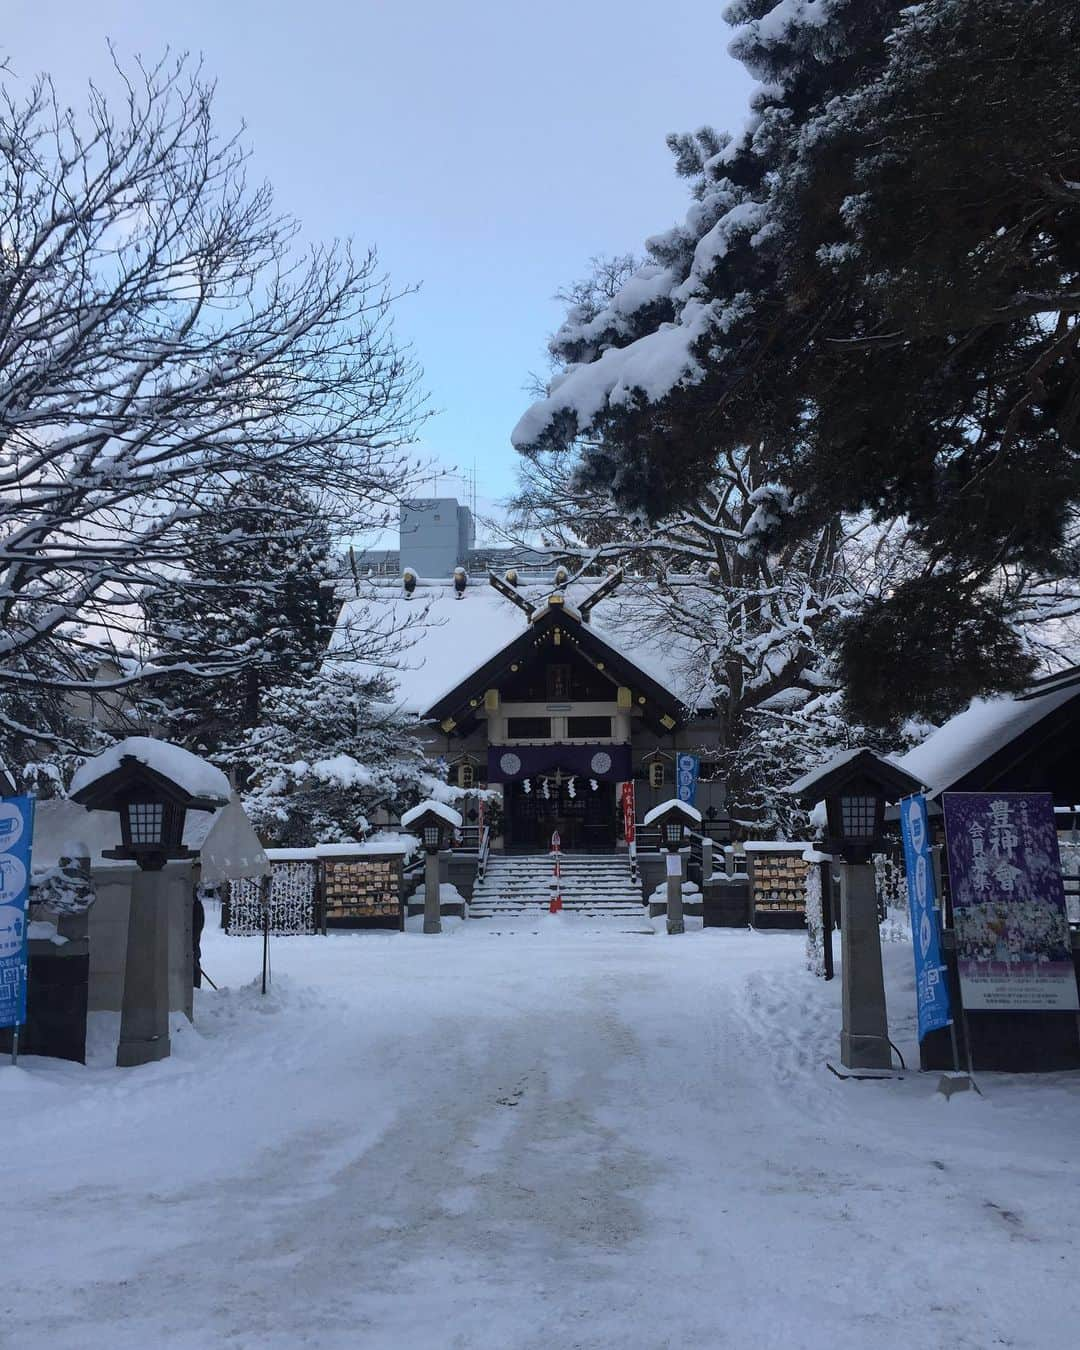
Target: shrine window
[(588, 728), (558, 682), (529, 728)]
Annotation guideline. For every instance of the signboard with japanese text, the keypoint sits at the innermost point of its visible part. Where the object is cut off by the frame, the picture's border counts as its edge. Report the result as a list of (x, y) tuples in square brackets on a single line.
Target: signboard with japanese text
[(16, 832), (1013, 946), (931, 990), (687, 768), (628, 812)]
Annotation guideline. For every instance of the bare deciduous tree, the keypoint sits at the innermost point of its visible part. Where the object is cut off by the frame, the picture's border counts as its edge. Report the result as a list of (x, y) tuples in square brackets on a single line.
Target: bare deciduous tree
[(161, 331)]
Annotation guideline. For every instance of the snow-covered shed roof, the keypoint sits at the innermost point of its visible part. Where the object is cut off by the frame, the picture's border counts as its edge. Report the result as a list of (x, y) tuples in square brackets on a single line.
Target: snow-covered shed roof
[(447, 639), (984, 729), (195, 776)]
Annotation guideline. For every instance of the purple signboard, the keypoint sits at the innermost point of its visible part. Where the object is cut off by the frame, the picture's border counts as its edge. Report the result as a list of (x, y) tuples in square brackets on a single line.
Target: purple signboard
[(1013, 944)]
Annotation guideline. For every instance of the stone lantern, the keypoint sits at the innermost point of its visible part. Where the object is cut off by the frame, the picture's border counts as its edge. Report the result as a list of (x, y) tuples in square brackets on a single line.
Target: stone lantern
[(855, 787), (434, 822), (151, 785), (674, 819)]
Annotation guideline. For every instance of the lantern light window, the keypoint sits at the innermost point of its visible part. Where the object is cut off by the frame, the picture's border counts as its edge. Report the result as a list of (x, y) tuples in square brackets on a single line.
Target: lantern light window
[(859, 817), (431, 836), (146, 821)]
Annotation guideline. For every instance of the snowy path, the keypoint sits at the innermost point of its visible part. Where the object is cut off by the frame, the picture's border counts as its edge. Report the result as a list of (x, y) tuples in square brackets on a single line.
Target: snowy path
[(561, 1138)]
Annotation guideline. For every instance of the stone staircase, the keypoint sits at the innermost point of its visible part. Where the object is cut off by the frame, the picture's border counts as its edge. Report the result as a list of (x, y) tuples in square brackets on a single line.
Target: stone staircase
[(593, 884)]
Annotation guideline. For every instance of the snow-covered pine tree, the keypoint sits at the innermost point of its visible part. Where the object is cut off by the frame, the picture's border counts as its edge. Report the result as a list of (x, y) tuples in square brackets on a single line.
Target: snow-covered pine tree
[(257, 565), (328, 752), (875, 287)]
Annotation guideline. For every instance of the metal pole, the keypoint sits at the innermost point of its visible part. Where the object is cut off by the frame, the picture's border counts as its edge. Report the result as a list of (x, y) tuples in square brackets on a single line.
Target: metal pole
[(825, 873), (264, 885)]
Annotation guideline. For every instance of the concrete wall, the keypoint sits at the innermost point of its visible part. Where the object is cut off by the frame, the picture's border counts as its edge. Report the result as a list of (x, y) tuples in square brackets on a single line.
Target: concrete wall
[(108, 928)]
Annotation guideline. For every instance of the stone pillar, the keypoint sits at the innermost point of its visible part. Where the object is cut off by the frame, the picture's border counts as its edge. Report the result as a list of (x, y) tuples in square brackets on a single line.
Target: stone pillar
[(674, 893), (864, 1038), (144, 1019), (432, 915)]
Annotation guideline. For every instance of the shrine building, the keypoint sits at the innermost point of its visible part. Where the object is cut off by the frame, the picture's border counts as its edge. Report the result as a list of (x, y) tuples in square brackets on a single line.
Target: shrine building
[(551, 692)]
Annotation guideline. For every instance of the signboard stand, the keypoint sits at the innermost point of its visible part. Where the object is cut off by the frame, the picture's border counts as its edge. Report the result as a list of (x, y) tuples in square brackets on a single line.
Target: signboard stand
[(1014, 959), (16, 836)]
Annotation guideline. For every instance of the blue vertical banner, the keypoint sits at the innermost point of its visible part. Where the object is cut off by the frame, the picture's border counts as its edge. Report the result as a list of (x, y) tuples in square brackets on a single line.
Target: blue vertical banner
[(932, 991), (687, 768), (16, 833)]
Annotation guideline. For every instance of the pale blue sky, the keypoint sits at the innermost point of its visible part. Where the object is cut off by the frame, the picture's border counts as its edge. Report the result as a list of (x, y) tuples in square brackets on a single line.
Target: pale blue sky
[(488, 149)]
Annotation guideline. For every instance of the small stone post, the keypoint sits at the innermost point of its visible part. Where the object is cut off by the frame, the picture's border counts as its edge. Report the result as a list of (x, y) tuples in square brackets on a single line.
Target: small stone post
[(675, 922), (144, 1018), (864, 1040), (432, 911)]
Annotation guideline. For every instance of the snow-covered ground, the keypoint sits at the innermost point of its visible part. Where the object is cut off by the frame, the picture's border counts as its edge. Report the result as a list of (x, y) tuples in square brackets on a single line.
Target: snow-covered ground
[(560, 1134)]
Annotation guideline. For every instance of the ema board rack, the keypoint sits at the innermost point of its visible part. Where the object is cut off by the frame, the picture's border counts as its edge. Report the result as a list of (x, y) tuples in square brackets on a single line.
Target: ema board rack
[(361, 889), (778, 882)]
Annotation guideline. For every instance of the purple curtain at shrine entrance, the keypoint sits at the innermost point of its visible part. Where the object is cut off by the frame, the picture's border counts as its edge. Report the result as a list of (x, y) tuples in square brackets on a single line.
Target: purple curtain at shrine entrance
[(605, 763)]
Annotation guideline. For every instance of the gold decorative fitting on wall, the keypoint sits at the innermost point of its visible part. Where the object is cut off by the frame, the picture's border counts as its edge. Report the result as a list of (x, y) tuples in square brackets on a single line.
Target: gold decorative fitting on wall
[(474, 703), (667, 722), (641, 698), (624, 698), (491, 700), (558, 637), (515, 667), (599, 665), (448, 725)]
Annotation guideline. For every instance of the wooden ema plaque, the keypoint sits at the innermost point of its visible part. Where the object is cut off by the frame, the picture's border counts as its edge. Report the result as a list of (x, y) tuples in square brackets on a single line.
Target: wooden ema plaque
[(362, 888), (780, 883)]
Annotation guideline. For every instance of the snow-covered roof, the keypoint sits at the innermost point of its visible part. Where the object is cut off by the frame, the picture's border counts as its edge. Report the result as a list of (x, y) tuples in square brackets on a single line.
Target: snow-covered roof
[(196, 776), (981, 730), (440, 809), (690, 812), (830, 766), (447, 639)]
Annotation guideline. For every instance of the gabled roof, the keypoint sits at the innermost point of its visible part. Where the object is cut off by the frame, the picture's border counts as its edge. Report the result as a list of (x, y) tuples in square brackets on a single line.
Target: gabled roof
[(446, 639), (620, 668), (982, 743), (823, 781)]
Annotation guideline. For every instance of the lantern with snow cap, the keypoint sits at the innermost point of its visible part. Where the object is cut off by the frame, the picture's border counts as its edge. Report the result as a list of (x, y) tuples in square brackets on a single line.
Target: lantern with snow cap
[(673, 819), (151, 785), (432, 820), (855, 787)]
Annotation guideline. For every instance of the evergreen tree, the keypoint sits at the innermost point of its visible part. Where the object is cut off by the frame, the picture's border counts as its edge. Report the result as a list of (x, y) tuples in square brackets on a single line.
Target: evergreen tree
[(329, 751), (876, 288), (255, 586)]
